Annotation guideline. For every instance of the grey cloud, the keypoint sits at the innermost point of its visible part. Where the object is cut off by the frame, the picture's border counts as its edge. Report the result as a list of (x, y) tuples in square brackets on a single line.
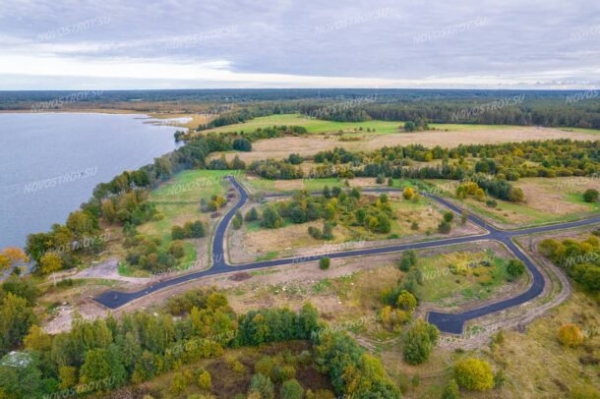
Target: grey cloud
[(361, 38)]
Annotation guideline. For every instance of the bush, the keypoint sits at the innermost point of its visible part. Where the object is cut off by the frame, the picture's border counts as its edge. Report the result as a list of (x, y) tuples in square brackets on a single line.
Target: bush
[(176, 249), (515, 269), (590, 195), (448, 216), (324, 263), (251, 215), (451, 391), (474, 374), (492, 203), (444, 227), (204, 380), (242, 145), (570, 335), (315, 232)]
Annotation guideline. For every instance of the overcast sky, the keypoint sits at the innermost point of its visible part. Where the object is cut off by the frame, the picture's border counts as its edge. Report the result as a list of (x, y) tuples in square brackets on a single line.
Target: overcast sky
[(146, 44)]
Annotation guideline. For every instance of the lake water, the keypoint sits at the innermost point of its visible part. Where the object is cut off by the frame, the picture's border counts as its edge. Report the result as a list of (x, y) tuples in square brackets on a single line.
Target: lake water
[(51, 162)]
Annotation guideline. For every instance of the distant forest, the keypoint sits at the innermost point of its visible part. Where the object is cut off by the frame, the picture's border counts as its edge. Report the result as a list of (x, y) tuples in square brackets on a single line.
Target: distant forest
[(527, 108)]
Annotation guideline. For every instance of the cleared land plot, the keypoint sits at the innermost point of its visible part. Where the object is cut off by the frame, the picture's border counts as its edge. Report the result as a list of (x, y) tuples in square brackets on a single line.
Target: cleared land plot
[(288, 240), (547, 200), (178, 201)]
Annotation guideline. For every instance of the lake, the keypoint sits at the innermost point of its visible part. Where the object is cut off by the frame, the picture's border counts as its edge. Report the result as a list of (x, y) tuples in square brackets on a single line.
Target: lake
[(51, 163)]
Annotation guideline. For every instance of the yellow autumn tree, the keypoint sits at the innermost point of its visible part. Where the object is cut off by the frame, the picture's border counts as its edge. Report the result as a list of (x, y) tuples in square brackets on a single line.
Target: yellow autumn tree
[(474, 374), (50, 262)]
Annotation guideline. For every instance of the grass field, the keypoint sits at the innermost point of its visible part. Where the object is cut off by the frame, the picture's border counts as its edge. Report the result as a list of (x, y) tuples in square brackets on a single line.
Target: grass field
[(381, 127), (178, 201), (547, 200), (326, 137), (459, 277)]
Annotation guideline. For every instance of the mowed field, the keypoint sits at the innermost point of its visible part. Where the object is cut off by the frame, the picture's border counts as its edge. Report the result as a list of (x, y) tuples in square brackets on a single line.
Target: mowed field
[(326, 135)]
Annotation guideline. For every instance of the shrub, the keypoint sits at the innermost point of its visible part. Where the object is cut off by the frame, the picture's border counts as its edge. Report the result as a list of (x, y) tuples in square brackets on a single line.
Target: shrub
[(474, 374), (590, 195), (570, 335), (251, 215), (324, 263), (176, 249), (315, 232), (448, 216), (204, 380), (451, 391), (492, 203), (444, 227), (515, 269), (242, 145)]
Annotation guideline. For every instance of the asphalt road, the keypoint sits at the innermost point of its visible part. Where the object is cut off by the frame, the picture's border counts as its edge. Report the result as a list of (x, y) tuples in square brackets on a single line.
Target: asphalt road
[(446, 322)]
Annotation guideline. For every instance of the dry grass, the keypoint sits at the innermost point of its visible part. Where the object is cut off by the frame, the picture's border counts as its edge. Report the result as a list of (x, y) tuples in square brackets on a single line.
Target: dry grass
[(309, 145)]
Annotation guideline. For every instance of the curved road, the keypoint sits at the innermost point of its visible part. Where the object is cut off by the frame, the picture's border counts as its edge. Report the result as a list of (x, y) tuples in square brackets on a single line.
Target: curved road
[(446, 322)]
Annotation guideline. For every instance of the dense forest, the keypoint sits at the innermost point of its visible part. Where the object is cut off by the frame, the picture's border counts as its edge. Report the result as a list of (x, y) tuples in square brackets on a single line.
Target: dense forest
[(531, 108), (104, 355)]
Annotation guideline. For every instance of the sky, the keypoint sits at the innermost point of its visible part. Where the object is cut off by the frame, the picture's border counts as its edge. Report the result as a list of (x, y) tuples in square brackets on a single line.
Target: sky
[(178, 44)]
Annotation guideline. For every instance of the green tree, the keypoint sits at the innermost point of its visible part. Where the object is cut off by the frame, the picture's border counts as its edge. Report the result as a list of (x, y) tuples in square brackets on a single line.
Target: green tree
[(237, 220), (407, 301), (50, 262), (238, 164), (16, 318), (409, 126), (263, 385), (474, 374), (242, 145), (271, 218), (324, 263), (292, 389), (96, 366), (419, 341)]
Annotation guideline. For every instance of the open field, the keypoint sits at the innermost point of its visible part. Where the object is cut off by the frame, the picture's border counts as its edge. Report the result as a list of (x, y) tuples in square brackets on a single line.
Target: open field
[(178, 201), (547, 200), (326, 136)]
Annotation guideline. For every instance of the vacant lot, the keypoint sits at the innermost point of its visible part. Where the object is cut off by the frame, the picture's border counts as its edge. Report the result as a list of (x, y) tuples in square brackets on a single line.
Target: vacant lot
[(547, 200)]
